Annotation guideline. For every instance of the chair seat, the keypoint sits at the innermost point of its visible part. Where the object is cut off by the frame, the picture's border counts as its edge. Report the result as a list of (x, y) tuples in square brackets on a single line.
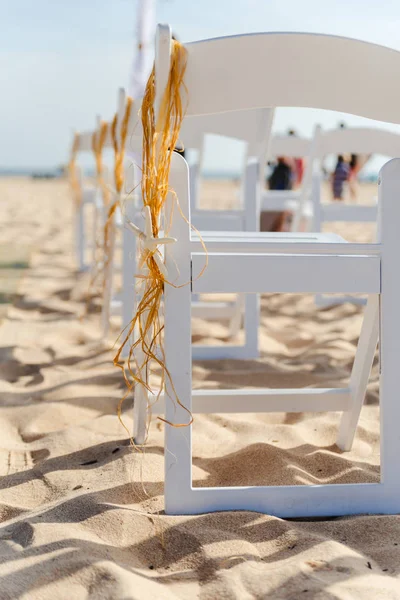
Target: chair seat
[(280, 243), (271, 237), (284, 262), (349, 212)]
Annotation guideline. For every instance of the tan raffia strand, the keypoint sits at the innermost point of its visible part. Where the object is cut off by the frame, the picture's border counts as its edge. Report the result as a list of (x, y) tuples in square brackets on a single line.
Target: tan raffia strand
[(73, 172), (159, 139), (98, 141)]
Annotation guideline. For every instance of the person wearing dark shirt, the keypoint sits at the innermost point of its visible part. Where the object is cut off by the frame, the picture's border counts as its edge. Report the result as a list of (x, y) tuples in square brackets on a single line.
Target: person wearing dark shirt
[(339, 176), (281, 177)]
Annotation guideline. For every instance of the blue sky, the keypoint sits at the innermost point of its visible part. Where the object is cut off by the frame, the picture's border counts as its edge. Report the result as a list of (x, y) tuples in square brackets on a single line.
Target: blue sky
[(62, 61)]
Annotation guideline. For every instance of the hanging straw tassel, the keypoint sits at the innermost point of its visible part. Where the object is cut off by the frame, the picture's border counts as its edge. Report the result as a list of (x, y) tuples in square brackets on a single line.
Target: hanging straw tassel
[(159, 139), (98, 141)]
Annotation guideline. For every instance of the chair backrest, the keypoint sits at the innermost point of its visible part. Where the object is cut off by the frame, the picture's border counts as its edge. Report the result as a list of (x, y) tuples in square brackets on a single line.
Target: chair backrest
[(252, 127), (359, 140), (293, 146), (352, 140), (223, 74), (289, 145)]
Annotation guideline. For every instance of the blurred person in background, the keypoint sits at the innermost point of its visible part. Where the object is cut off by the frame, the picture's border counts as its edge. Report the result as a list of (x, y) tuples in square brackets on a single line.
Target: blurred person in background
[(339, 176)]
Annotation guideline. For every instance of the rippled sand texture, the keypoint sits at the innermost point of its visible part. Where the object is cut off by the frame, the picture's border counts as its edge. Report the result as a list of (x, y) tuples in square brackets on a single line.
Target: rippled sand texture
[(79, 510)]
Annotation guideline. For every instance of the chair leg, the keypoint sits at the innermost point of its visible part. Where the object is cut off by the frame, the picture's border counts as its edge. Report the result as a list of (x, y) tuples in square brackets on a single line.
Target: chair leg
[(128, 279), (141, 395), (237, 317), (95, 234), (178, 349), (80, 237), (251, 325), (108, 287), (140, 405), (360, 373)]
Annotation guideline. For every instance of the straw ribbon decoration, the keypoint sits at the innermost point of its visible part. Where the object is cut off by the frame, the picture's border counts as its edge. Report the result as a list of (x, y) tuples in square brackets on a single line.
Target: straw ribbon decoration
[(159, 139), (98, 141)]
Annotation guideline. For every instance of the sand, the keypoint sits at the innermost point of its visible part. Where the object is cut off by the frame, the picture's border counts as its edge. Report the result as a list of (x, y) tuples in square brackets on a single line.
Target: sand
[(81, 513)]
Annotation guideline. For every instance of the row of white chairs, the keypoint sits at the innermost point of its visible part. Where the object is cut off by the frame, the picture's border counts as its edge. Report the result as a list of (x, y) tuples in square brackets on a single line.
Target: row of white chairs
[(253, 127), (294, 262)]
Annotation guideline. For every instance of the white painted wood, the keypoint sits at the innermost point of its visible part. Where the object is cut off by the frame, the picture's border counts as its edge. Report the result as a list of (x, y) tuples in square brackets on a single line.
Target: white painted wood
[(274, 200), (285, 273), (322, 300), (178, 344), (254, 127), (296, 201), (108, 287), (355, 140), (80, 228), (226, 220), (389, 192), (162, 67), (264, 400), (282, 243), (249, 125), (130, 210), (214, 311), (162, 64), (251, 317), (308, 82), (237, 318), (348, 212), (316, 199), (83, 241), (194, 179), (292, 146), (306, 188), (286, 501), (369, 78), (228, 351), (360, 373), (108, 282)]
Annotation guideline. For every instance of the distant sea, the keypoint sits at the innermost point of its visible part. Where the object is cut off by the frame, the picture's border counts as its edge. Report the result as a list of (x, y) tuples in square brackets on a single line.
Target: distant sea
[(220, 175)]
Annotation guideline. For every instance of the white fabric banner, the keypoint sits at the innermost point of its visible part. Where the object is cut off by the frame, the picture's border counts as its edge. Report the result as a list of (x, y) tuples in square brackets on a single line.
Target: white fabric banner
[(144, 55)]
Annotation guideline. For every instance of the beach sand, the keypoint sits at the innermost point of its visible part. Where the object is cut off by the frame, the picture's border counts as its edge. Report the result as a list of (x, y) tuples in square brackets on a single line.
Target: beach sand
[(82, 513)]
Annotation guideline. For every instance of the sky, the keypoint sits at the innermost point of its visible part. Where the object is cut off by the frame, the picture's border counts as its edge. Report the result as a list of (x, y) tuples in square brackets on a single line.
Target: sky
[(62, 62)]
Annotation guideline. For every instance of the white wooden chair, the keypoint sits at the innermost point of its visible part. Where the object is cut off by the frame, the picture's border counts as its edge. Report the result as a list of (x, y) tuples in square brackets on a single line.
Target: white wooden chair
[(352, 140), (296, 201), (84, 241), (222, 75), (112, 302), (254, 128)]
